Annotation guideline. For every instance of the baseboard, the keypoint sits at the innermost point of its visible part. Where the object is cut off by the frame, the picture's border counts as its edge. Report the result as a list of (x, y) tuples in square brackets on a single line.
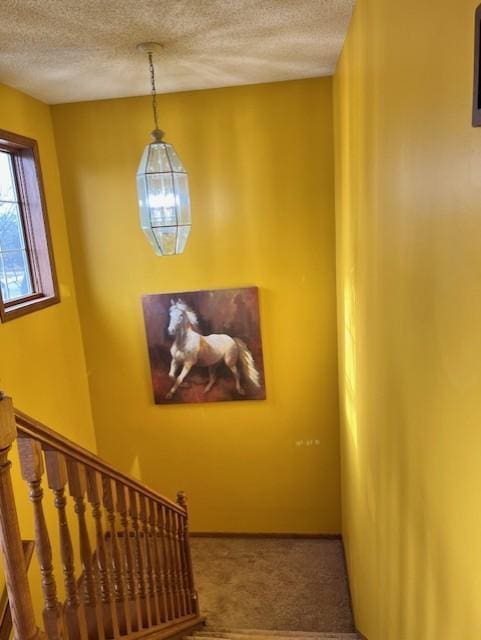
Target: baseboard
[(231, 534)]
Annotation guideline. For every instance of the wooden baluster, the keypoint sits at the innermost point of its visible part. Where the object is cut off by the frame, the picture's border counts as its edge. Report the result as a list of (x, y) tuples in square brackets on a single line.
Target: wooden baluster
[(177, 565), (158, 559), (183, 563), (180, 564), (131, 587), (125, 623), (150, 568), (31, 463), (169, 568), (175, 569), (77, 482), (57, 480), (181, 524), (11, 549), (109, 610), (139, 561), (182, 502)]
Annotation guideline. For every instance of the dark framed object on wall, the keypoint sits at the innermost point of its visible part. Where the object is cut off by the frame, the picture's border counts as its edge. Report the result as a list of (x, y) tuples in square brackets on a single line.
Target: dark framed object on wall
[(205, 346), (477, 70)]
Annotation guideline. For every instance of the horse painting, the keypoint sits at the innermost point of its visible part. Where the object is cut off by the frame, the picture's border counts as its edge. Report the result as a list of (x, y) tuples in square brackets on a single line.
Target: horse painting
[(205, 346), (192, 348)]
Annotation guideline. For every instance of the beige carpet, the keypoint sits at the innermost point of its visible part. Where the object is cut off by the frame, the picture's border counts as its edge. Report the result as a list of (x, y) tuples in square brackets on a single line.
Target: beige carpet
[(272, 583)]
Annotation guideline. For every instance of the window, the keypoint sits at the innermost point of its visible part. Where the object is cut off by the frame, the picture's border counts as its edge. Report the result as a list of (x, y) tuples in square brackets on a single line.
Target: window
[(27, 273)]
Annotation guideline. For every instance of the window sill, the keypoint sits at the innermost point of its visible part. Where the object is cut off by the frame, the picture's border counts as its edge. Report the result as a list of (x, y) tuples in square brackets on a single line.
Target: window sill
[(24, 307)]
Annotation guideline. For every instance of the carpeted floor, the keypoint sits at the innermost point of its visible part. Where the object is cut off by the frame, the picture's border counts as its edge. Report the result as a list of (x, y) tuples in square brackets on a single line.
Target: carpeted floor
[(272, 583)]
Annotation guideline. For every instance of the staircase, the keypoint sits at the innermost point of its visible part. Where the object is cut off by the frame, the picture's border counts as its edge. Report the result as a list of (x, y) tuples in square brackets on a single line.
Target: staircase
[(123, 554), (259, 634), (120, 549)]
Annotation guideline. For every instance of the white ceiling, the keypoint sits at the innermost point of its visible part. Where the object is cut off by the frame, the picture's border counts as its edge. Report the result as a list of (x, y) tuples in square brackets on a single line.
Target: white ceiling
[(74, 50)]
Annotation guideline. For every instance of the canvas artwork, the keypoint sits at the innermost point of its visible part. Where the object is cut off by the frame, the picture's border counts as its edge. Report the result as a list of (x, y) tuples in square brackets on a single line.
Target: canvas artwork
[(205, 346)]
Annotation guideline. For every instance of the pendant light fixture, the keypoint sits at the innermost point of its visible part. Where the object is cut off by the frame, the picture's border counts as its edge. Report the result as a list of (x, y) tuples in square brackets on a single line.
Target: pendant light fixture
[(162, 184)]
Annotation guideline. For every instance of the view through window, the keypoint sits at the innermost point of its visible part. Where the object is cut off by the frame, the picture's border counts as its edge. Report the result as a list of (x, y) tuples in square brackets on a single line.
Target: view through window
[(15, 270), (27, 272)]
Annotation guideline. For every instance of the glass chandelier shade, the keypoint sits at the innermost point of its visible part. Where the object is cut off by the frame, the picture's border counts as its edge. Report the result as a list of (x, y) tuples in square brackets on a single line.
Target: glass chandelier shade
[(164, 203), (162, 185)]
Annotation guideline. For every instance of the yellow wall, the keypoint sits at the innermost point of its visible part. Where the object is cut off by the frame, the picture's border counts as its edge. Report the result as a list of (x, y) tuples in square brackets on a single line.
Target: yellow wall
[(42, 363), (408, 173), (260, 160)]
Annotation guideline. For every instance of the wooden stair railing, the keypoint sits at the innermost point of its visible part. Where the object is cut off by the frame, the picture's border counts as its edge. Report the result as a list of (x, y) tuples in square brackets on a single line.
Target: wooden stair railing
[(135, 580), (5, 613)]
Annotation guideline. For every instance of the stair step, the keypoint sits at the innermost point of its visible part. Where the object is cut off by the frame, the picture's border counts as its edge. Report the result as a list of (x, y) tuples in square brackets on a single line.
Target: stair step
[(270, 634), (207, 631), (318, 636)]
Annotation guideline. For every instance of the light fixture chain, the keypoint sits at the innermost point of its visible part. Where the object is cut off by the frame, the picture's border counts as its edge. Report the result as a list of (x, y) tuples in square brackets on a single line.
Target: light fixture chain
[(154, 91)]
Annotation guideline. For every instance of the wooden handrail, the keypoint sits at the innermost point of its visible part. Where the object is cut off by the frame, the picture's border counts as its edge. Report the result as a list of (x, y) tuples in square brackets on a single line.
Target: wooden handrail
[(135, 578), (29, 427)]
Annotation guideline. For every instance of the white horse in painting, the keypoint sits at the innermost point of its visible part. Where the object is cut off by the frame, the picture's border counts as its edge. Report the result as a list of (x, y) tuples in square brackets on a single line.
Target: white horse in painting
[(191, 348)]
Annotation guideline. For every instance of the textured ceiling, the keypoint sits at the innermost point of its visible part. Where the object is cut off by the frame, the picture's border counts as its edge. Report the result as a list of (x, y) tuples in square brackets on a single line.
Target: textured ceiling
[(72, 50)]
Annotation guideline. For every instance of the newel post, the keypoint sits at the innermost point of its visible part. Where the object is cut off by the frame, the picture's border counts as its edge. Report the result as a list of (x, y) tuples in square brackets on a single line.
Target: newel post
[(11, 550), (182, 502)]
